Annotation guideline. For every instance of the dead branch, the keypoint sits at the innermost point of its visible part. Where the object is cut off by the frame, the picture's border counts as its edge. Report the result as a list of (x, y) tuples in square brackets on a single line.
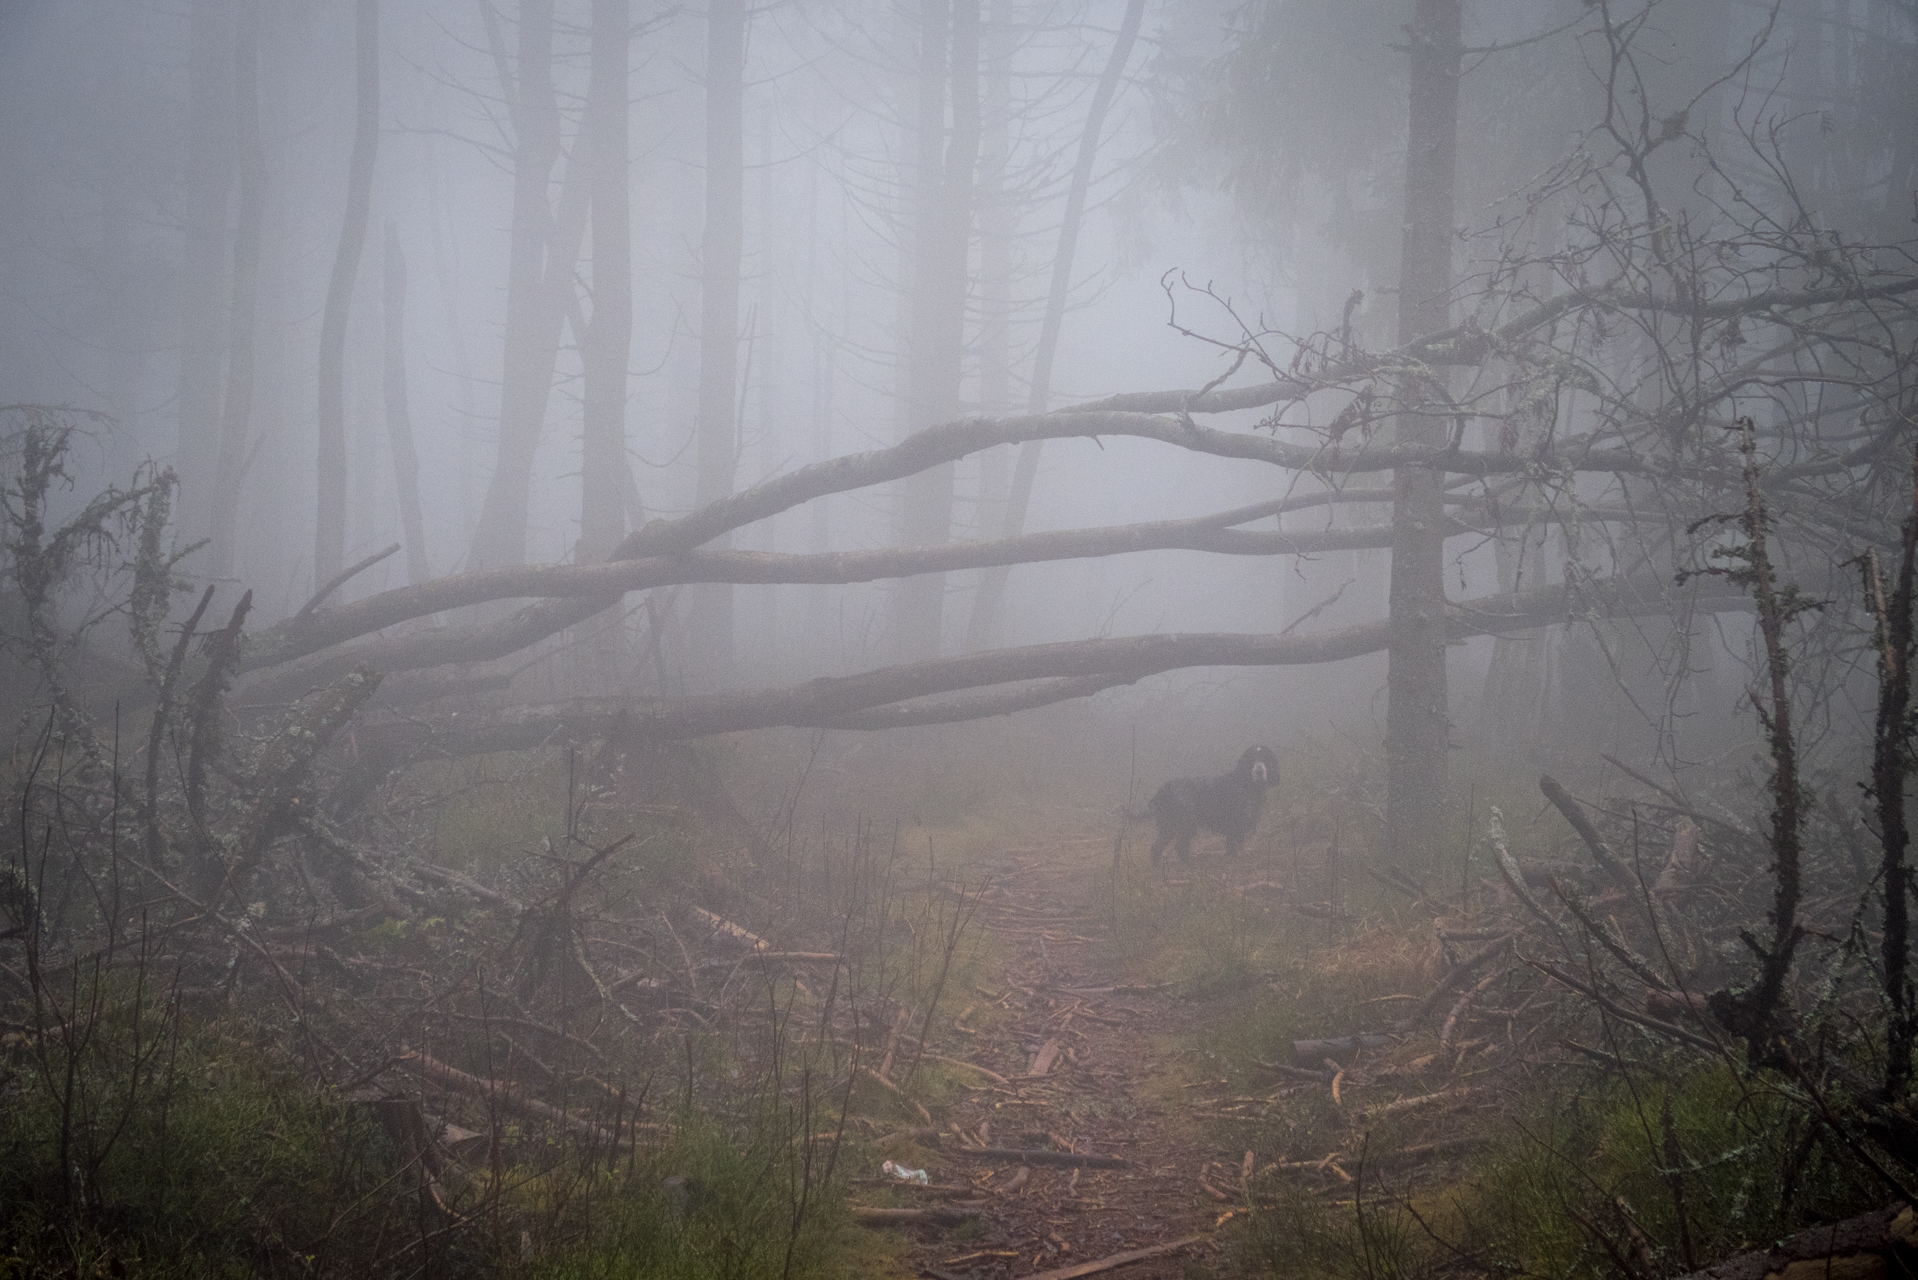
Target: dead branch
[(1601, 852), (1112, 1262), (505, 1094)]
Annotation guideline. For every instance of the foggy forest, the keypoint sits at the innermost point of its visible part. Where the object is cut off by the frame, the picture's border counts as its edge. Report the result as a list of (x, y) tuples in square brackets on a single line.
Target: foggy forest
[(958, 638)]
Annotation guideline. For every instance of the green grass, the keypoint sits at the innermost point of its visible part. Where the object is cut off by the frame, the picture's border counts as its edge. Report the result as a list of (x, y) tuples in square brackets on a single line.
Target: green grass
[(189, 1151)]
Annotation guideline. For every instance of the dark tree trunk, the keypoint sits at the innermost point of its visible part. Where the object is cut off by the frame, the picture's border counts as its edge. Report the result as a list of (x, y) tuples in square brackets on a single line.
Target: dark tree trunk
[(998, 228), (942, 238), (236, 414), (399, 416), (608, 340), (208, 181), (710, 620), (990, 605), (329, 540), (526, 371), (1416, 728)]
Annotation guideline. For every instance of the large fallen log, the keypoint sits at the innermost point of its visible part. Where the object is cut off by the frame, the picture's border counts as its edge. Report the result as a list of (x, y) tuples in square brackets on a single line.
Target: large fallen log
[(850, 701), (1867, 1247)]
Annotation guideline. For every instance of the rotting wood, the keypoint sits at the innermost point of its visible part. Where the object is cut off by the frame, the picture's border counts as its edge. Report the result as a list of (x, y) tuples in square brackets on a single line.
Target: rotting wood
[(1048, 1054)]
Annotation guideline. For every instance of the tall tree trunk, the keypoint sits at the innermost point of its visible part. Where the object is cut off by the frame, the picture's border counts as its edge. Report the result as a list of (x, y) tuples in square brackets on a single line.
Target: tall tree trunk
[(989, 607), (609, 338), (710, 618), (942, 244), (208, 181), (526, 372), (1416, 728), (329, 539), (399, 416), (236, 414), (998, 225), (768, 394), (820, 531)]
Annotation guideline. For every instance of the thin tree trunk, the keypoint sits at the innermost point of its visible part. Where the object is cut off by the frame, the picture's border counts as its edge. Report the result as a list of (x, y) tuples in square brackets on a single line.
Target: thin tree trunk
[(236, 414), (399, 417), (526, 372), (998, 225), (608, 339), (938, 331), (710, 617), (329, 540), (208, 180), (1416, 728), (990, 605)]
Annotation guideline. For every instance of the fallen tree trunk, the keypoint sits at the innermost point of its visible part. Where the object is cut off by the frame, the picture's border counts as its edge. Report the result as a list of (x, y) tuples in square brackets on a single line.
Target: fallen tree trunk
[(311, 632), (1872, 1244), (893, 696)]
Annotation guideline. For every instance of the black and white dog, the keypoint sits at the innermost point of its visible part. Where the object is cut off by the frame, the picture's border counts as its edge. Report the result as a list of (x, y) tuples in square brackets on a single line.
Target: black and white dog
[(1229, 805)]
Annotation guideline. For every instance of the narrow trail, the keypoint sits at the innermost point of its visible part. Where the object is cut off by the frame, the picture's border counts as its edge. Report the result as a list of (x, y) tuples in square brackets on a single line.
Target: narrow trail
[(1075, 1066)]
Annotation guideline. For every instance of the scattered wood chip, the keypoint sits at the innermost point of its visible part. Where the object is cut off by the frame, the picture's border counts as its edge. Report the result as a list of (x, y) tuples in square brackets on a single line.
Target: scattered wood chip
[(1048, 1054)]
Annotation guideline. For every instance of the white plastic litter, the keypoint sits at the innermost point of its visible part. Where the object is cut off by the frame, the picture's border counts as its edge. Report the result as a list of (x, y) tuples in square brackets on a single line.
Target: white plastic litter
[(904, 1174)]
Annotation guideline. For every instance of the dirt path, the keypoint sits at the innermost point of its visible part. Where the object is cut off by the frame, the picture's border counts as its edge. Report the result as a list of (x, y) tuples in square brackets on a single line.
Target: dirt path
[(1077, 1059)]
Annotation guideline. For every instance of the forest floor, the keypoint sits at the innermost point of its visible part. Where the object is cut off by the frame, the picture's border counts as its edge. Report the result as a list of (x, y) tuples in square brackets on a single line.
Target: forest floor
[(1088, 1058), (1128, 1016)]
